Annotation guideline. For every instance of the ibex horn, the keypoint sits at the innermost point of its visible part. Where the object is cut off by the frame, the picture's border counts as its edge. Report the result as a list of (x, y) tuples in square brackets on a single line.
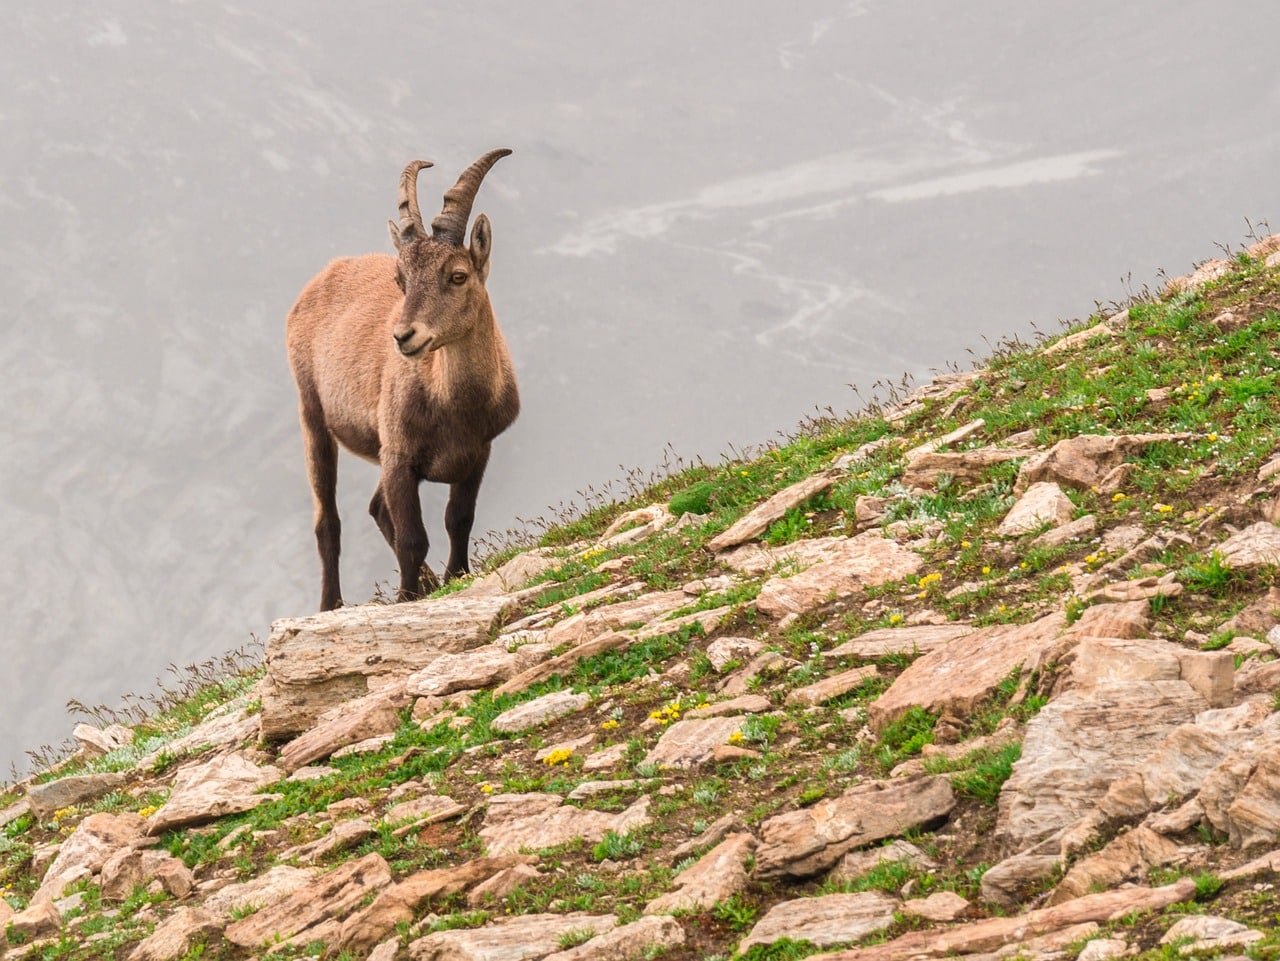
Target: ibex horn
[(410, 215), (451, 223)]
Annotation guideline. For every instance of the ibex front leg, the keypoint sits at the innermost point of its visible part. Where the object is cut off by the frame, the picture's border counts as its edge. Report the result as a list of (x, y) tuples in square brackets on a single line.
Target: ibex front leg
[(322, 470), (400, 493), (459, 515)]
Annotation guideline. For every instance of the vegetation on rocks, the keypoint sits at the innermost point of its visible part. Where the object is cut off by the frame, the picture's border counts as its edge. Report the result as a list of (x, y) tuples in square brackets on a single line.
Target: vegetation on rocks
[(987, 667)]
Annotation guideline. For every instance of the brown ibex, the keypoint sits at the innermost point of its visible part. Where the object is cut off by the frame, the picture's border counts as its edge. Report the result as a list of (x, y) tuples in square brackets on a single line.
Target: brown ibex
[(400, 360)]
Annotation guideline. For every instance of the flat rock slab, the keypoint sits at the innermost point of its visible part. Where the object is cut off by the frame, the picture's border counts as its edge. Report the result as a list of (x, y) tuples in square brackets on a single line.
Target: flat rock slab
[(634, 940), (690, 742), (716, 876), (962, 674), (939, 906), (759, 558), (758, 520), (810, 841), (176, 935), (539, 711), (69, 791), (1043, 503), (329, 897), (867, 560), (994, 933), (373, 715), (94, 840), (423, 810), (314, 663), (534, 821), (832, 687), (966, 467), (472, 670), (857, 863), (1129, 856), (266, 889), (1186, 756), (513, 575), (743, 704), (225, 785), (909, 639), (590, 624), (1079, 744), (508, 939), (1254, 547), (1209, 933), (828, 920), (1086, 460)]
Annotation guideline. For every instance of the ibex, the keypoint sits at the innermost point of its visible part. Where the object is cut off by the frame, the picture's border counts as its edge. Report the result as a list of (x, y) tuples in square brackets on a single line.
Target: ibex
[(400, 360)]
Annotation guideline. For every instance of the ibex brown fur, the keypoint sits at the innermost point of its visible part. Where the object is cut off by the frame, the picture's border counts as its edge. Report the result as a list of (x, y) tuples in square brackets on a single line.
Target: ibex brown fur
[(400, 360)]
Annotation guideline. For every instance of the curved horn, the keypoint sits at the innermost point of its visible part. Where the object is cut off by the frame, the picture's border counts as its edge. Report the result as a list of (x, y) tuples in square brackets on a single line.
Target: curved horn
[(410, 215), (451, 223)]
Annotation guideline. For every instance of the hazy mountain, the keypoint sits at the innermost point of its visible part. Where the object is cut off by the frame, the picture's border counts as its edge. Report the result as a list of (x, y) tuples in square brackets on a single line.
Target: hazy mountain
[(717, 217)]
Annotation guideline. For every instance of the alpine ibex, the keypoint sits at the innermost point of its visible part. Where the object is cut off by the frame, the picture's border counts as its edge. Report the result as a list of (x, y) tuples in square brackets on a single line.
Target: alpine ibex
[(400, 360)]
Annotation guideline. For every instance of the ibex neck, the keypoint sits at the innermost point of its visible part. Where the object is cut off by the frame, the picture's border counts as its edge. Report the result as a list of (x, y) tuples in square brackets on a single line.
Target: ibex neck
[(473, 369)]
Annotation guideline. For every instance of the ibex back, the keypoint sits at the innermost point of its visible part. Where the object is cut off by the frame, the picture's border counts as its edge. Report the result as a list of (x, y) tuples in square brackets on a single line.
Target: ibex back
[(401, 361)]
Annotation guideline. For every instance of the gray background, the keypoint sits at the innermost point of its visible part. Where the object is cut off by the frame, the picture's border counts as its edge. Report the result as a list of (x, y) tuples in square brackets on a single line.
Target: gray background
[(718, 216)]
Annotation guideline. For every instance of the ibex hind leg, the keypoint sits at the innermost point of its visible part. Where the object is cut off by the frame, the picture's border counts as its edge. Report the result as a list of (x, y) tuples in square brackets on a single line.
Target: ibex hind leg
[(322, 470), (428, 580), (459, 515)]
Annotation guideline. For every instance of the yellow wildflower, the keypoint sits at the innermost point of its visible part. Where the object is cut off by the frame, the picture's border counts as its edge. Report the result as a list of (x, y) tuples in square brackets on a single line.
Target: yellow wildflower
[(735, 737), (609, 725), (560, 755)]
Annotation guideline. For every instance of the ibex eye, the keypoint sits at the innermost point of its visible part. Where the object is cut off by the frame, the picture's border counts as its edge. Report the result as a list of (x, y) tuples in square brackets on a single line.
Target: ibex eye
[(458, 277)]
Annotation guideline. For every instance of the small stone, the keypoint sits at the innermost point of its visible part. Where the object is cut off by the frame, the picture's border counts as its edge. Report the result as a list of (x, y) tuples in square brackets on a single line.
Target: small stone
[(1100, 949), (539, 711)]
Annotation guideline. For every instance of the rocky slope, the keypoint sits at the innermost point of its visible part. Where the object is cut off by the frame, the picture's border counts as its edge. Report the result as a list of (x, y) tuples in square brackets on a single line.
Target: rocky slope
[(988, 670)]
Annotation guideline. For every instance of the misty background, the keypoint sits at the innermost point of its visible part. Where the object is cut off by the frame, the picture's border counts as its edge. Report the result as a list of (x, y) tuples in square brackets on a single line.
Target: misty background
[(717, 217)]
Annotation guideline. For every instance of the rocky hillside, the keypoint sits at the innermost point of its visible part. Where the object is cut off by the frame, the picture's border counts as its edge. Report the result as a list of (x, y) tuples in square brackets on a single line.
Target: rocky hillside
[(989, 670)]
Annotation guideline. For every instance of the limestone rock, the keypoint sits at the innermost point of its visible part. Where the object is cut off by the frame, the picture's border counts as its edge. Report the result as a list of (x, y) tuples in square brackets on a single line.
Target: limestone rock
[(640, 525), (758, 520), (563, 663), (867, 560), (40, 920), (535, 821), (1008, 883), (1043, 503), (1076, 530), (961, 433), (716, 876), (857, 863), (1254, 816), (501, 884), (1257, 617), (472, 670), (314, 663), (84, 853), (967, 467), (1100, 949), (724, 650), (589, 624), (1086, 460), (344, 836), (508, 939), (226, 728), (225, 785), (95, 742), (752, 559), (960, 675), (994, 933), (908, 639), (273, 885), (1210, 933), (1183, 759), (422, 811), (513, 575), (807, 842), (627, 942), (832, 687), (1079, 744), (70, 791), (539, 711), (1254, 547), (330, 896), (1203, 274), (827, 920), (373, 715), (398, 903), (1128, 856), (128, 868), (1078, 339), (939, 906), (690, 742), (743, 704), (176, 935), (1119, 620), (1211, 674), (606, 757)]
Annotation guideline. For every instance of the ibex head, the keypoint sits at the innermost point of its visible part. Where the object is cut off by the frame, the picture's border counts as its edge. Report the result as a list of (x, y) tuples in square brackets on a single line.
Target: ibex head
[(442, 280)]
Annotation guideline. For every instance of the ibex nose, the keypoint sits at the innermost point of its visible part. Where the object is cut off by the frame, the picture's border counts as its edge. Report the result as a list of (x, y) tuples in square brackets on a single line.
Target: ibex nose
[(403, 336)]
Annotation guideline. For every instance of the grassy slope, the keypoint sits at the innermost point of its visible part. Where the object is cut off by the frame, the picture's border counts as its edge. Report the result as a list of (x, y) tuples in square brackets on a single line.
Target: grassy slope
[(1221, 389)]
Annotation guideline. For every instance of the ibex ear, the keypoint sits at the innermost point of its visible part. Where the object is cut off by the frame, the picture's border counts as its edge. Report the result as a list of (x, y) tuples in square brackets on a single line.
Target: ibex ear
[(481, 242), (394, 229)]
